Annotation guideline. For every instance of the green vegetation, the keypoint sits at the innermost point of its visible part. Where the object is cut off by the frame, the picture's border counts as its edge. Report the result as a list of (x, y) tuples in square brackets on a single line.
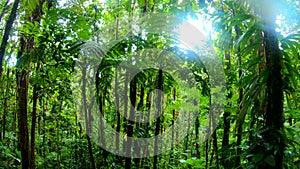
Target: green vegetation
[(52, 96)]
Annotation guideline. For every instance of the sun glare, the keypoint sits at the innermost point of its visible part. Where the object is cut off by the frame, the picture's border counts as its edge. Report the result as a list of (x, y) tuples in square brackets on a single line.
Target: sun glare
[(193, 32), (12, 60)]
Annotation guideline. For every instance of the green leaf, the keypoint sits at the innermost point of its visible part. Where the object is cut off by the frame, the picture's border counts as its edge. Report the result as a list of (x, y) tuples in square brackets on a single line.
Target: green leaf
[(258, 157), (238, 19), (182, 161), (30, 4), (270, 160), (242, 40)]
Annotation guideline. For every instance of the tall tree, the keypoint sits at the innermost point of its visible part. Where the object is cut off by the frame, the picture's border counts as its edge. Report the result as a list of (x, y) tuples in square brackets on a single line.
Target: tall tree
[(22, 75), (274, 115)]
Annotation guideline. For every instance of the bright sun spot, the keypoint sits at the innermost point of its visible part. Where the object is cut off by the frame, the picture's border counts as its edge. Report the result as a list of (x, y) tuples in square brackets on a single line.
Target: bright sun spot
[(12, 61), (194, 32)]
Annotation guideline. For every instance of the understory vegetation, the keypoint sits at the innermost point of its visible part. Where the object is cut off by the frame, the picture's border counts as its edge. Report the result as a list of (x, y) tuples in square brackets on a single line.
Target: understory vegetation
[(67, 83)]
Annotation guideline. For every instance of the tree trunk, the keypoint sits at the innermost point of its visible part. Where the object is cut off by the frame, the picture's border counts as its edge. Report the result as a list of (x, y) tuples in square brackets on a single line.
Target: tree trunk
[(173, 121), (225, 140), (22, 89), (14, 118), (157, 127), (130, 123), (103, 136), (215, 141), (33, 122), (139, 125), (274, 114), (207, 142), (116, 89), (197, 145), (240, 99), (5, 105), (92, 163), (125, 107), (187, 136), (87, 114), (117, 112), (22, 75)]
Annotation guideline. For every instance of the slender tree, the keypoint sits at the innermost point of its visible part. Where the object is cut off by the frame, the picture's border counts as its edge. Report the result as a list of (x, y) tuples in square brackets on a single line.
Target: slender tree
[(5, 106), (158, 118), (130, 126), (86, 113), (33, 121), (225, 140)]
